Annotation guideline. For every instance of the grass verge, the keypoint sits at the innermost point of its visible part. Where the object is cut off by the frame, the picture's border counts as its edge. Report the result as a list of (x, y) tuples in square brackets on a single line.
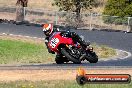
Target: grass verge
[(12, 52), (104, 51), (15, 51), (58, 84)]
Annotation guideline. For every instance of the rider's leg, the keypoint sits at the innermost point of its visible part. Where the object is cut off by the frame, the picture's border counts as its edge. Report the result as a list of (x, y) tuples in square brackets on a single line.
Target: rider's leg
[(78, 39)]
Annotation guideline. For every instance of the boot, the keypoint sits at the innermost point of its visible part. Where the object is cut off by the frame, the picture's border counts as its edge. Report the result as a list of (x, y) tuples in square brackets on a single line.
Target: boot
[(78, 39), (84, 44)]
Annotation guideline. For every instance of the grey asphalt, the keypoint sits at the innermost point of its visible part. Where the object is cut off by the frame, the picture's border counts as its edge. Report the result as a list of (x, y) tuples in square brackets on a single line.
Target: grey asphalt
[(118, 40)]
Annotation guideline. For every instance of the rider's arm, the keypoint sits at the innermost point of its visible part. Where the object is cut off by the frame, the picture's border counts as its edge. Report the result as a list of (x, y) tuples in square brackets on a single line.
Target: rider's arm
[(46, 43)]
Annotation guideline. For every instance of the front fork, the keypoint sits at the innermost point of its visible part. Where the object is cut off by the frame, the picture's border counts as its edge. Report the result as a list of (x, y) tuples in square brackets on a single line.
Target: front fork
[(89, 49)]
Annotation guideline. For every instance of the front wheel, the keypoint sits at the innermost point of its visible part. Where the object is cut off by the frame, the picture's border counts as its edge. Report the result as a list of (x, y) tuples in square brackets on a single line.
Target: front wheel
[(59, 59), (66, 54), (92, 57)]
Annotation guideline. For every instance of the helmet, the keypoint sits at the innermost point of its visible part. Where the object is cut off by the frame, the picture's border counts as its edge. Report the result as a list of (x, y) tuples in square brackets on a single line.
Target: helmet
[(48, 29)]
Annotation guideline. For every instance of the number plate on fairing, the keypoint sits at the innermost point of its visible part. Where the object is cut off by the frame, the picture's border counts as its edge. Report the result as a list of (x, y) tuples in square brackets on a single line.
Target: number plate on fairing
[(54, 42)]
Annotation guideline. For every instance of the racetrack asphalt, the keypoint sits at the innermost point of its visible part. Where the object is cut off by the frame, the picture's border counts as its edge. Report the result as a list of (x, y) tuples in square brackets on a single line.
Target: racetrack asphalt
[(118, 40)]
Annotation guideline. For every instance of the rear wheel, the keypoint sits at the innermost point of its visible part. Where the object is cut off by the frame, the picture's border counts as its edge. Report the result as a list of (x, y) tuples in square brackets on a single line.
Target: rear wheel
[(66, 54), (92, 58)]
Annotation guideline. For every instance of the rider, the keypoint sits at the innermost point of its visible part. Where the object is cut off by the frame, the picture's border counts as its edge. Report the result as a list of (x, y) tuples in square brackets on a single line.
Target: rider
[(49, 29)]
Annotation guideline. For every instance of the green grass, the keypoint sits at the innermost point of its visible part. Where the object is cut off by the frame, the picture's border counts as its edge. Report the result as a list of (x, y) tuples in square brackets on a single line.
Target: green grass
[(16, 52), (104, 51), (59, 84), (22, 52)]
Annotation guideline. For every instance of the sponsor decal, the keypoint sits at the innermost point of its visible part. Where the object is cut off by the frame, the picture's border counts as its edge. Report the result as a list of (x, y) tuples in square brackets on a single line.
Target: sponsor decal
[(83, 78)]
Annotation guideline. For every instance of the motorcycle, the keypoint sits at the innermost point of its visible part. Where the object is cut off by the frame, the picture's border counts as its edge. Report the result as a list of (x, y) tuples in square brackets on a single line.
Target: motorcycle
[(65, 47)]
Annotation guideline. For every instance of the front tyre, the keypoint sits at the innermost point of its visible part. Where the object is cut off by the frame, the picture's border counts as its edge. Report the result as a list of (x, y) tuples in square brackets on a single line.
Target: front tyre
[(59, 60), (92, 58), (66, 54)]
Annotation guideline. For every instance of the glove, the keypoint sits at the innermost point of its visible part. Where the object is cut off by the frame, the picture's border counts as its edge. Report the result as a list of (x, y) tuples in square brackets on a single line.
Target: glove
[(50, 51)]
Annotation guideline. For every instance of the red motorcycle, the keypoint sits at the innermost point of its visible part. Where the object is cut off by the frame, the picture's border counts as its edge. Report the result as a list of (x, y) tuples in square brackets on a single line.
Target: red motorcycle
[(69, 50)]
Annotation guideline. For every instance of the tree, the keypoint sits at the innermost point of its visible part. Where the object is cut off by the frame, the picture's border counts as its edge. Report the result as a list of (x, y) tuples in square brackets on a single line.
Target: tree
[(20, 10), (74, 5), (120, 8), (23, 3)]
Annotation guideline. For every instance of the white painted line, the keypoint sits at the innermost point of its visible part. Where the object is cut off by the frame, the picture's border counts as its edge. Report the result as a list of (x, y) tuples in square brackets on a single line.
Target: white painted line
[(10, 34), (17, 35), (27, 36), (117, 57), (23, 36), (4, 33), (128, 54), (35, 37)]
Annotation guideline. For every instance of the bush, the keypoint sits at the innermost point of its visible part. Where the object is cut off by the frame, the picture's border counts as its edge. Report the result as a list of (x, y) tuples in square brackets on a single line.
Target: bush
[(120, 8), (115, 20)]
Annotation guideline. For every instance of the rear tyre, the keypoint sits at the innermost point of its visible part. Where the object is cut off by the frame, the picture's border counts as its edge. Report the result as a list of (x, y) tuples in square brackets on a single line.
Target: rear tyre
[(92, 58), (67, 55)]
